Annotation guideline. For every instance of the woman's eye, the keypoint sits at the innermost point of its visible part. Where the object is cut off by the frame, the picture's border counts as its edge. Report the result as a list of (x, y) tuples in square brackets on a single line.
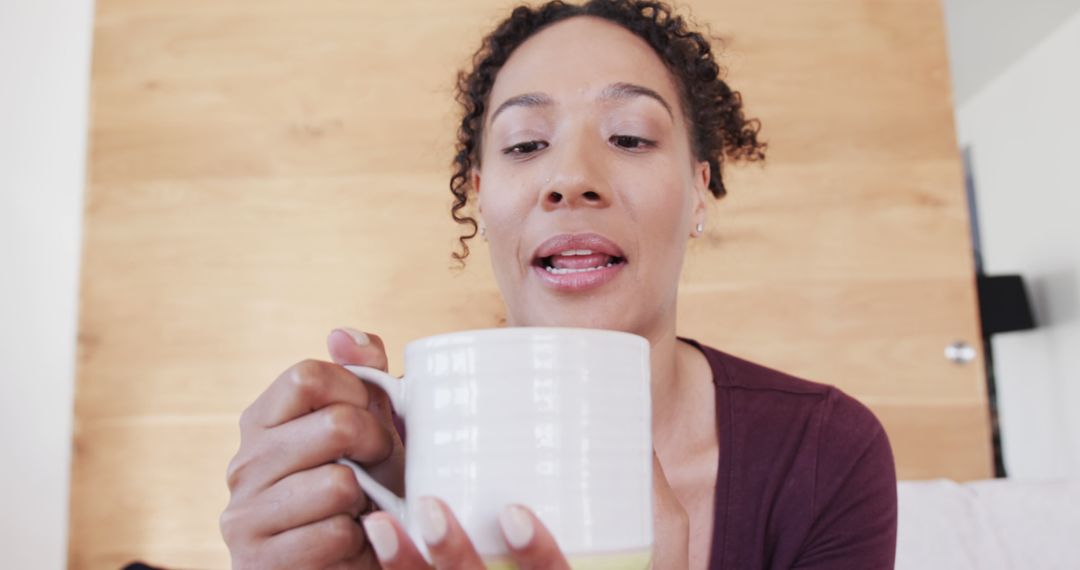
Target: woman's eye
[(630, 142), (525, 148)]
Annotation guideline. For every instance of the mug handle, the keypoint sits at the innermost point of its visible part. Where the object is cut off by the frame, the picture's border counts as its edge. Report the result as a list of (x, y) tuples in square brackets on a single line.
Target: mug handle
[(395, 389)]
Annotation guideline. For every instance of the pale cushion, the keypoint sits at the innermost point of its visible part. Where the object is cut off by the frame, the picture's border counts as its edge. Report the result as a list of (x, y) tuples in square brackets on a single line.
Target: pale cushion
[(997, 524)]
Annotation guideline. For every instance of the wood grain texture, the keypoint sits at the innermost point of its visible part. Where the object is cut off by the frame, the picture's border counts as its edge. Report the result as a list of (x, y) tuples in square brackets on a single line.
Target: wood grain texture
[(261, 173)]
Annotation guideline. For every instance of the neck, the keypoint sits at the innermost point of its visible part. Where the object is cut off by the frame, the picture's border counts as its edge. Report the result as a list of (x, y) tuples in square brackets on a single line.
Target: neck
[(668, 382)]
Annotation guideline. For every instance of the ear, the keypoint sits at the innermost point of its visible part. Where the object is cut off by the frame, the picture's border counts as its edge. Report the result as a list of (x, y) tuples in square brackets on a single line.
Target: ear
[(702, 176), (474, 179), (474, 183)]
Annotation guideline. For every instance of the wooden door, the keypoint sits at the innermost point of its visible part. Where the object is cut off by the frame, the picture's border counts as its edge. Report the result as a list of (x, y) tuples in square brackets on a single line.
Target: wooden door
[(263, 172)]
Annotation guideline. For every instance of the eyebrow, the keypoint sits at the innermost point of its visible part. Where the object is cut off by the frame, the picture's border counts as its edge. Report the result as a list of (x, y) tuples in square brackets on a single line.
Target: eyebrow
[(615, 92), (624, 91), (525, 100)]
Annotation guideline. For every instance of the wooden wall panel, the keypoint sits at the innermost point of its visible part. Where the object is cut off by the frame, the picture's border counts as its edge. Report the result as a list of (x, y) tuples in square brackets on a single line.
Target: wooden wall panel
[(261, 173)]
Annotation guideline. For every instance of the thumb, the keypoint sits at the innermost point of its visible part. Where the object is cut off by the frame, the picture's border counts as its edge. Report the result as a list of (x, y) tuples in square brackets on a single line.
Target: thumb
[(350, 346)]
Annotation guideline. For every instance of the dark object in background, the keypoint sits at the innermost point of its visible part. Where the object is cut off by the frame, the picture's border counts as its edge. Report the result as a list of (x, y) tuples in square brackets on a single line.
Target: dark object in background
[(1004, 305)]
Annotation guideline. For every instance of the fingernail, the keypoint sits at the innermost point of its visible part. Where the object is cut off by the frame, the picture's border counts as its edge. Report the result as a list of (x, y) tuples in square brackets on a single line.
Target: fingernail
[(358, 337), (380, 533), (517, 526), (432, 521)]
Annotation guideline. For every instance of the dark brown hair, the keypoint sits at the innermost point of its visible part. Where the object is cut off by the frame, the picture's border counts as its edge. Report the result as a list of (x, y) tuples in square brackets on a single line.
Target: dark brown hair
[(713, 111)]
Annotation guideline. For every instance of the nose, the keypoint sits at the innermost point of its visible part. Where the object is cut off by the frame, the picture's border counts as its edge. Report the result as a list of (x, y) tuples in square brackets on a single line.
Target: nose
[(577, 179)]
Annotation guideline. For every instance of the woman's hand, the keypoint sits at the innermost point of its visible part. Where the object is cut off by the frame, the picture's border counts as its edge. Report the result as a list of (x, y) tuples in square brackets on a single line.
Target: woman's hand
[(290, 506), (531, 545)]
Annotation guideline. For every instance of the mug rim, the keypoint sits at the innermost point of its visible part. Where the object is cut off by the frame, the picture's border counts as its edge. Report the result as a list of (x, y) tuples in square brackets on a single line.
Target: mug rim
[(471, 336)]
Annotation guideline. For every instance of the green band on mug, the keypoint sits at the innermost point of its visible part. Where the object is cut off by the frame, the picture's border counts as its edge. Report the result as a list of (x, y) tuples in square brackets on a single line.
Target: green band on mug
[(638, 560)]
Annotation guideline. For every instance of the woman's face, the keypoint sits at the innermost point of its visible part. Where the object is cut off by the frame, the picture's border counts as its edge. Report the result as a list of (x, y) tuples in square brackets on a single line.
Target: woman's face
[(588, 187)]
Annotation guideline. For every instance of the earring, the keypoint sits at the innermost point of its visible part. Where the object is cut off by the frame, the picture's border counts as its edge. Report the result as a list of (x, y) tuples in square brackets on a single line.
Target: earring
[(483, 232), (700, 228)]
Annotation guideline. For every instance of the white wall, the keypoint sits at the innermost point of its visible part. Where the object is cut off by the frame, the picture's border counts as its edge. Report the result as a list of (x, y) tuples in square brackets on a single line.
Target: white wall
[(1024, 130), (44, 69), (986, 37)]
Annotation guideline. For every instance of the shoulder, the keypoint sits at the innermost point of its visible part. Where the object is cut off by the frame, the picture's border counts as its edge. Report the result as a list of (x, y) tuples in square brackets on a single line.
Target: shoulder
[(844, 417), (818, 457), (832, 438)]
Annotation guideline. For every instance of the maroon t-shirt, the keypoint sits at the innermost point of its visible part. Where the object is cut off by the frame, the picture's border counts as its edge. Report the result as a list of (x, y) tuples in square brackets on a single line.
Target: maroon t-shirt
[(805, 478)]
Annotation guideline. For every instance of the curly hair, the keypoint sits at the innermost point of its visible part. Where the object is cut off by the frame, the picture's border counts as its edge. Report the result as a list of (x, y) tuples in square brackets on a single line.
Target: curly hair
[(719, 130)]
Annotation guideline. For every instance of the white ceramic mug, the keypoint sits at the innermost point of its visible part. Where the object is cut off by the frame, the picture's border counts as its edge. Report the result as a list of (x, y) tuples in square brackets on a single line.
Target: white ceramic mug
[(558, 420)]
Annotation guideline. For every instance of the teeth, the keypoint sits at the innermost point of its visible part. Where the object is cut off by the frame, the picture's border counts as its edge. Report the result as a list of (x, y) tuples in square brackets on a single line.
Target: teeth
[(558, 271), (571, 252)]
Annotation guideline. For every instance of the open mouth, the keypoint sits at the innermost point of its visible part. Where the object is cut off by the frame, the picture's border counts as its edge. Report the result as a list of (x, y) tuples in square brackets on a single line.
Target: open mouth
[(578, 261), (575, 262)]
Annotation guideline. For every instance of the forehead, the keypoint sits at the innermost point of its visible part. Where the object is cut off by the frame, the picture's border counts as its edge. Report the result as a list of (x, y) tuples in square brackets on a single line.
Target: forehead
[(577, 58)]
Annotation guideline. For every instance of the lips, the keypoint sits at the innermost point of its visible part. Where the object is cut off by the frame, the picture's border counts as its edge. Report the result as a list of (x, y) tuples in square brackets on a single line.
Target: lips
[(576, 262)]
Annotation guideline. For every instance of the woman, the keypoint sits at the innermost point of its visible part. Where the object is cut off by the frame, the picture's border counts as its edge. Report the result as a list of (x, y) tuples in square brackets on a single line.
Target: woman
[(591, 139)]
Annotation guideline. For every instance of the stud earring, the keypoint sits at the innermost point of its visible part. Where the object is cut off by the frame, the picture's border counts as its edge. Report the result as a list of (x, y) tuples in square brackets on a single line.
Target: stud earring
[(700, 228), (483, 232)]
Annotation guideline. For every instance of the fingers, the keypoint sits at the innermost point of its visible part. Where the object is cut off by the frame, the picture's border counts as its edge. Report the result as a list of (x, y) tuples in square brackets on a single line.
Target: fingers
[(391, 545), (303, 498), (303, 388), (312, 384), (531, 545), (363, 561), (350, 346), (447, 543), (290, 506), (316, 545), (336, 431)]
